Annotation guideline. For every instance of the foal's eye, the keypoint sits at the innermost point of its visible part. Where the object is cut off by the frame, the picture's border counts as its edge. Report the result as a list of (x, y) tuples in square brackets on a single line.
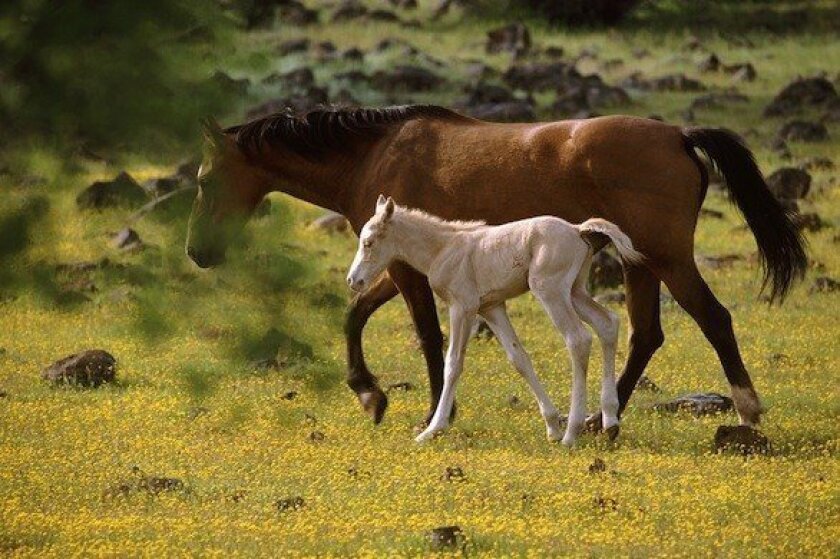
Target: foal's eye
[(367, 244)]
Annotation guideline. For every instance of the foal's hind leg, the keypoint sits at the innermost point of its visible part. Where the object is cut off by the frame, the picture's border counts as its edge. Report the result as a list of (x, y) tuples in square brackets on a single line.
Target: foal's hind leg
[(605, 324), (692, 293), (556, 298), (499, 322)]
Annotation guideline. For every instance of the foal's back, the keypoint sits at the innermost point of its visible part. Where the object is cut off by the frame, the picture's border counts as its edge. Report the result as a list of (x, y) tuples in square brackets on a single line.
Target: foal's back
[(504, 257)]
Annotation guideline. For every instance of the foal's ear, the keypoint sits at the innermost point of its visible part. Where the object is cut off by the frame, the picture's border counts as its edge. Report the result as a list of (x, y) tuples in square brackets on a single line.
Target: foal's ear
[(380, 202), (389, 208)]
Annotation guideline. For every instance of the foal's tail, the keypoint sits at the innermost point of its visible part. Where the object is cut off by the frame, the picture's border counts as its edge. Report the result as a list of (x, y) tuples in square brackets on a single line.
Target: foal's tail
[(780, 243), (622, 242)]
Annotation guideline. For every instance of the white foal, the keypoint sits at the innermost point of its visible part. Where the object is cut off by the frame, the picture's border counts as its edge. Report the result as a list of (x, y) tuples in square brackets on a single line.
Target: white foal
[(475, 268)]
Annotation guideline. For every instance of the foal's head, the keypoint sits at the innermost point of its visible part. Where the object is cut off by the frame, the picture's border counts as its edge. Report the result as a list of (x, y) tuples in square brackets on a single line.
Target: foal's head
[(376, 247), (229, 188)]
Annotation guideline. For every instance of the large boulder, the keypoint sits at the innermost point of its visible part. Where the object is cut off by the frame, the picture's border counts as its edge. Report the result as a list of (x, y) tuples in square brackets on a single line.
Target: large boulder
[(789, 183), (802, 93), (803, 131), (540, 76), (123, 190), (89, 368)]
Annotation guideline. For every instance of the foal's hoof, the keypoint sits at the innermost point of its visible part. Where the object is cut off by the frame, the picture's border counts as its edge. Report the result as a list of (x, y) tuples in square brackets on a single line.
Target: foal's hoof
[(612, 432), (374, 402), (420, 427)]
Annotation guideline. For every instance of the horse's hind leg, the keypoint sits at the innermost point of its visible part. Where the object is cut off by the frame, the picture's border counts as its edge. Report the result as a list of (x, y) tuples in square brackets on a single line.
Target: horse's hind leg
[(556, 297), (359, 377), (605, 323), (497, 319), (691, 292)]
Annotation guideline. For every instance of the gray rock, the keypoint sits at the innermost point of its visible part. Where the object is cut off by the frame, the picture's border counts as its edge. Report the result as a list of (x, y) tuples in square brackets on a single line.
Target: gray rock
[(510, 111), (802, 93), (803, 131), (331, 222), (127, 239), (789, 183), (349, 10), (824, 284), (89, 368), (513, 38), (121, 191), (606, 271), (290, 504), (406, 78), (293, 46), (540, 76), (698, 404)]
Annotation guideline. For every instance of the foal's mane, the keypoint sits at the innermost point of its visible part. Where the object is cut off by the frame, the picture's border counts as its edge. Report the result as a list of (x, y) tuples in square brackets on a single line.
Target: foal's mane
[(328, 129), (419, 215)]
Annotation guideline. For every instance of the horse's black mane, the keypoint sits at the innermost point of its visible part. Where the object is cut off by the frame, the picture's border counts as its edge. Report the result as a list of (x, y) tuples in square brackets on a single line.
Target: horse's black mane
[(324, 130)]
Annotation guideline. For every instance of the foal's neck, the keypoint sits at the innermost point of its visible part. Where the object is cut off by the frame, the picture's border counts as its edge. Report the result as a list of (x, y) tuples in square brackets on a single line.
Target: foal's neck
[(420, 240)]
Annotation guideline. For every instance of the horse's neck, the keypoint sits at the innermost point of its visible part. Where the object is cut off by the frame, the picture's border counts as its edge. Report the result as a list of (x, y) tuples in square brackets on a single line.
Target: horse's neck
[(320, 182), (419, 241)]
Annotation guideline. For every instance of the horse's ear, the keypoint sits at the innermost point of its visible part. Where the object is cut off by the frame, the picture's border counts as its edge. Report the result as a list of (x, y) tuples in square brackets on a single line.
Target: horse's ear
[(213, 133), (389, 208)]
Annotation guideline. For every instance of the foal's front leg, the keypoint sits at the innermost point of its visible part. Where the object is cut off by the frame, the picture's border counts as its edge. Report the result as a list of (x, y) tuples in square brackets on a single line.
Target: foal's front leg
[(460, 325)]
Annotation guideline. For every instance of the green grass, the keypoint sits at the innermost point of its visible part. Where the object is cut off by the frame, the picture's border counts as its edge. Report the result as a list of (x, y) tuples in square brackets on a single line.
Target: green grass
[(190, 404)]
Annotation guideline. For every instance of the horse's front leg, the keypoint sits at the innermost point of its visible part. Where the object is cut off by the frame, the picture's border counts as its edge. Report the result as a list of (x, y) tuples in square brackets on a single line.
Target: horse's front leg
[(421, 304), (359, 378), (460, 325)]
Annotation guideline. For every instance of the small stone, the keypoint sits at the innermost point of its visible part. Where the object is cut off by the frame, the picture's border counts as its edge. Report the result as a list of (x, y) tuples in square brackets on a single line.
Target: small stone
[(89, 368), (445, 538), (824, 284), (598, 466), (645, 383), (403, 386), (708, 212), (127, 239), (741, 439), (606, 503), (290, 395), (453, 473), (316, 436), (615, 297), (290, 504), (514, 401)]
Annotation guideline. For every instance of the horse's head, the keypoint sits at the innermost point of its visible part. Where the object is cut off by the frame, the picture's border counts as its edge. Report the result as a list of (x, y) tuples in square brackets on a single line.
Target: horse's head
[(376, 247), (229, 188)]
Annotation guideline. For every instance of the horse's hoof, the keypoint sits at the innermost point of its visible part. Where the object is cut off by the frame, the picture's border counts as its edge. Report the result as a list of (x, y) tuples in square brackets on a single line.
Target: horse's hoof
[(594, 423), (374, 402), (612, 432)]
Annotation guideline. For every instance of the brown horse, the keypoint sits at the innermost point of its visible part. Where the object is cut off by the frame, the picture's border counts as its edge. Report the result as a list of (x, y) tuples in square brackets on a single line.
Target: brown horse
[(643, 175)]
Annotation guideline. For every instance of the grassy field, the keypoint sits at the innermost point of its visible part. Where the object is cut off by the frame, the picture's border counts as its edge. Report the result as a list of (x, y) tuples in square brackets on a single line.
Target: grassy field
[(189, 404)]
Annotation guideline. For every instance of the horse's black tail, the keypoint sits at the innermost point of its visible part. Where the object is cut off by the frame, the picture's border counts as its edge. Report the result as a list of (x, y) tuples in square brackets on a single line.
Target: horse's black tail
[(781, 246)]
